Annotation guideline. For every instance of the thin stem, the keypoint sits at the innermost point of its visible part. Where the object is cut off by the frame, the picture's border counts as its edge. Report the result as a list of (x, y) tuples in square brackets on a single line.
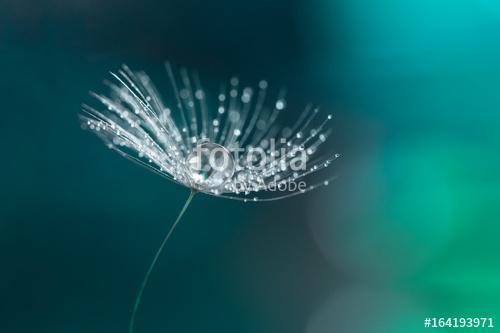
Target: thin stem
[(155, 259)]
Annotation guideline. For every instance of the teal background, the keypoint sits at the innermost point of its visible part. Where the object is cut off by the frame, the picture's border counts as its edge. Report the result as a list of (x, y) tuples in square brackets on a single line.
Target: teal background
[(409, 230)]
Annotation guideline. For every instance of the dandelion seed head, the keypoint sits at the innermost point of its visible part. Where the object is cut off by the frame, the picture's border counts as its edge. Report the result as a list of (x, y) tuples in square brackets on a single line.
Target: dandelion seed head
[(230, 149)]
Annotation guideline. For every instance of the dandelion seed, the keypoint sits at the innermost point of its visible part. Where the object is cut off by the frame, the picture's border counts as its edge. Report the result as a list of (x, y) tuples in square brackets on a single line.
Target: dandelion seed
[(204, 148)]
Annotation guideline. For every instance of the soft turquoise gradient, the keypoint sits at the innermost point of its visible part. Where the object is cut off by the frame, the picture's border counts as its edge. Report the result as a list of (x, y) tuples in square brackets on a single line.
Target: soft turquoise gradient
[(418, 215)]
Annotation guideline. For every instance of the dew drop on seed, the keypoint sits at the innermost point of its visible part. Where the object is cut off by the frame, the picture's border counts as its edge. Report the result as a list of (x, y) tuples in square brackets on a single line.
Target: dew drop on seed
[(261, 124), (210, 165), (280, 105)]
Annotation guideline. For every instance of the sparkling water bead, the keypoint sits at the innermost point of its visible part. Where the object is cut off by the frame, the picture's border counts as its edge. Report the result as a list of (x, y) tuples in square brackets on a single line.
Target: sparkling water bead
[(210, 165)]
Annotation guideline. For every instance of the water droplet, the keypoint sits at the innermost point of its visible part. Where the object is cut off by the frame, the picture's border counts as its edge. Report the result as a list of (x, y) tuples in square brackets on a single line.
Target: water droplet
[(234, 116), (199, 94), (210, 165), (261, 124), (280, 105), (286, 132), (264, 144), (184, 93)]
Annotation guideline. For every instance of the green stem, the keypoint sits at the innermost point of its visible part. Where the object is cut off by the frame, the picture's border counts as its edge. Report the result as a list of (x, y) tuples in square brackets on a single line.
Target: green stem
[(155, 259)]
